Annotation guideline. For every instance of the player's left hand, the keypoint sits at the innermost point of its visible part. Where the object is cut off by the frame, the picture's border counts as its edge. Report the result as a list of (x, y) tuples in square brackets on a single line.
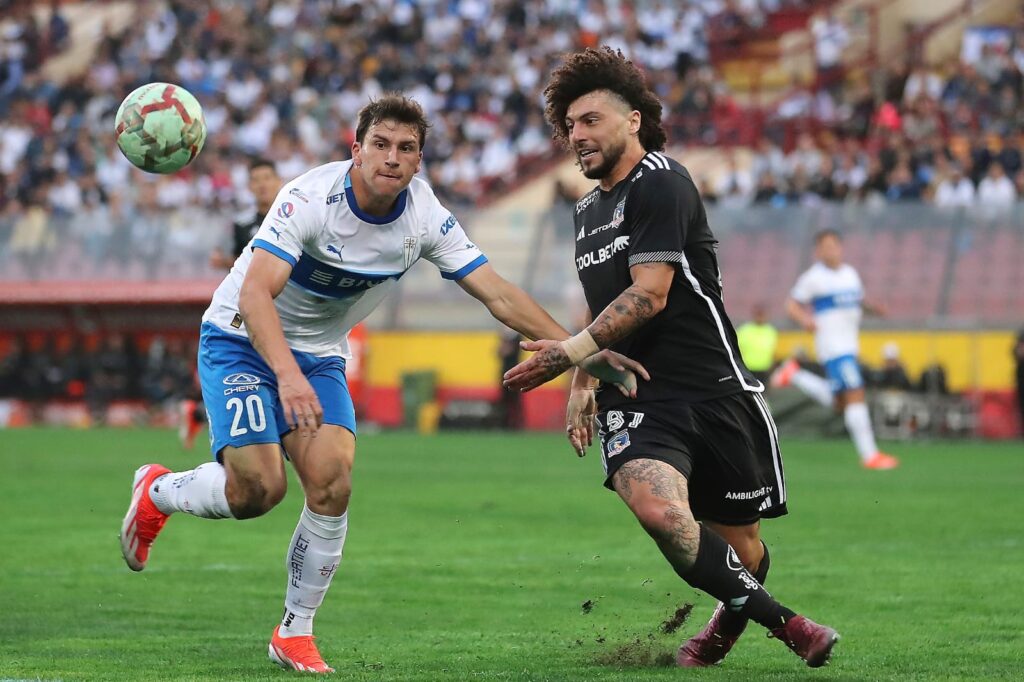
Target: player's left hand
[(615, 368), (548, 361)]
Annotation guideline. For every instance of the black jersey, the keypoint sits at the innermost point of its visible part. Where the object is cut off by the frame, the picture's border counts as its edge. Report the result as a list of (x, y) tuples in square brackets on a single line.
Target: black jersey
[(245, 227), (655, 215)]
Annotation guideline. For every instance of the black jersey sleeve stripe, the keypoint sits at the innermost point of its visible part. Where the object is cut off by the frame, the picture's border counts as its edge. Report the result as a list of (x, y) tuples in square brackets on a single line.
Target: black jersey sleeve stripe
[(721, 328), (656, 257)]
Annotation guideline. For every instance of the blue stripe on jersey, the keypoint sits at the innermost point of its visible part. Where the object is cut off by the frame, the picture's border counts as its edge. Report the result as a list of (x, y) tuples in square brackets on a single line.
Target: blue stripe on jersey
[(276, 250), (842, 299), (465, 269), (372, 219), (327, 281)]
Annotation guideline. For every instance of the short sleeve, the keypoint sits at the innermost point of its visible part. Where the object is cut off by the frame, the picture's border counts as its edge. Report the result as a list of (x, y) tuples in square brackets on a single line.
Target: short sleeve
[(803, 290), (449, 248), (292, 220), (658, 208)]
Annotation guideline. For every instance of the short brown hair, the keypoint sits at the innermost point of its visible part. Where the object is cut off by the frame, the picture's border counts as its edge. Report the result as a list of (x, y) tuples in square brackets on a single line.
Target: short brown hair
[(604, 69), (392, 106), (822, 235)]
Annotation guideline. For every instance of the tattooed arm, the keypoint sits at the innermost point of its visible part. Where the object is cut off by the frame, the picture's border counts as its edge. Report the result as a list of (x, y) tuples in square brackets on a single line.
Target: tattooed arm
[(632, 309)]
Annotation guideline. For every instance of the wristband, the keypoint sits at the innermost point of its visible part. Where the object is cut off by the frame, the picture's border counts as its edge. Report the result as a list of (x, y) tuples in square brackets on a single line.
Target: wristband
[(580, 347)]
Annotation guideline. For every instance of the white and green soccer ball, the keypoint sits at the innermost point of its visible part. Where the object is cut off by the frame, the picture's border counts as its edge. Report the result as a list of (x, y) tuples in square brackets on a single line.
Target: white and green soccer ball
[(160, 127)]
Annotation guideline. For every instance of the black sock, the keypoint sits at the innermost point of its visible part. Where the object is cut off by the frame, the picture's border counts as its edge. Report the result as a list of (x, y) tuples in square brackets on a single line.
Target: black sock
[(732, 622), (719, 572)]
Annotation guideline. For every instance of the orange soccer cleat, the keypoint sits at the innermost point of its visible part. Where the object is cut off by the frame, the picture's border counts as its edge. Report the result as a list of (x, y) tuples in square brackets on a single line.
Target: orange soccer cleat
[(143, 521), (783, 374), (297, 653), (881, 461)]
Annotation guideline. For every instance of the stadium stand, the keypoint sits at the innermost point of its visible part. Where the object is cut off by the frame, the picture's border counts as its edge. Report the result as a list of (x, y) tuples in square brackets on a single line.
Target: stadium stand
[(792, 115)]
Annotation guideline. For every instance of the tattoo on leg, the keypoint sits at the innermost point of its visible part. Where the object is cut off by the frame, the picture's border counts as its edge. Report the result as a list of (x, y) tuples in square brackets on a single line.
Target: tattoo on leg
[(676, 532)]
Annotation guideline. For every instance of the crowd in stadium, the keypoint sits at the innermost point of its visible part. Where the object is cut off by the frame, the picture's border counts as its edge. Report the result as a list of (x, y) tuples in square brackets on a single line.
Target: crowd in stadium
[(289, 84), (111, 369)]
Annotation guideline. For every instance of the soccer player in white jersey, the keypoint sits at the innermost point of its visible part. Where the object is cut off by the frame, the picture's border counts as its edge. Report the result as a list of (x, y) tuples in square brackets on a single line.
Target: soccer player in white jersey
[(828, 299), (273, 345)]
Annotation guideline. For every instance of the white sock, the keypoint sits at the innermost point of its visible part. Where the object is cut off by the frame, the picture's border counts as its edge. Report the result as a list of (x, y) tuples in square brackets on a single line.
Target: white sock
[(814, 386), (312, 560), (199, 492), (858, 423)]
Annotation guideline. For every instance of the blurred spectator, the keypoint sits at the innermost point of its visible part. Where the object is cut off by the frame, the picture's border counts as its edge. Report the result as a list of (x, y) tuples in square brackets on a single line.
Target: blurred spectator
[(892, 375), (954, 190), (996, 192), (284, 80), (933, 380), (167, 375), (13, 366), (114, 368)]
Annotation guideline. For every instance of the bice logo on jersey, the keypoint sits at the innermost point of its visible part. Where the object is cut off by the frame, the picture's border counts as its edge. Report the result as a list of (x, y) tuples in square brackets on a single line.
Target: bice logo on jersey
[(448, 225), (286, 210)]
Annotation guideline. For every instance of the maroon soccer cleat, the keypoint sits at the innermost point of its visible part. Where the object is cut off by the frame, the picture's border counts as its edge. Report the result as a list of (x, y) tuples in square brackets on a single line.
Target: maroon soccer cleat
[(710, 645), (807, 639)]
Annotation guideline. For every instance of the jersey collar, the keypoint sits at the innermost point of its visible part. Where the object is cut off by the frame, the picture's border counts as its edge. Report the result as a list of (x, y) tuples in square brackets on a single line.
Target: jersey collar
[(350, 196)]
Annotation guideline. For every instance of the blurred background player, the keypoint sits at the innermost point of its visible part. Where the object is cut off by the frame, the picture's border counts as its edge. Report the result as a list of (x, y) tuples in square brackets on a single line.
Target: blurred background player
[(264, 184), (273, 345), (758, 339), (828, 299)]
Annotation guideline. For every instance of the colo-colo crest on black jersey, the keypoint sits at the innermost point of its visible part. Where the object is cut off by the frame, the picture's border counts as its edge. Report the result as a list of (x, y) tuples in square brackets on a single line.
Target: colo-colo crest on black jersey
[(655, 215)]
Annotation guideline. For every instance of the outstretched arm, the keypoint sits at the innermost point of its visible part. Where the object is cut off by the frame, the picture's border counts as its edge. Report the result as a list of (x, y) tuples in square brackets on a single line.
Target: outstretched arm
[(510, 305), (514, 308), (632, 309)]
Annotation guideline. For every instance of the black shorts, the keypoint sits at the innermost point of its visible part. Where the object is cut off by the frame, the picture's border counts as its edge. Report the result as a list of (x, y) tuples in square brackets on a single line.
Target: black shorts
[(727, 448)]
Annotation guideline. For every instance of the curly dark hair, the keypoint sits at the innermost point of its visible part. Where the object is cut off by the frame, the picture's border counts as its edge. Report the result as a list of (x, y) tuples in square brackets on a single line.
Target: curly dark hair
[(392, 106), (604, 69)]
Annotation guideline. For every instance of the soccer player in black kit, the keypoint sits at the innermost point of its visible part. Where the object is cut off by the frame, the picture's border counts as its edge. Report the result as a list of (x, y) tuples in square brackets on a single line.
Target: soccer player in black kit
[(264, 184), (695, 456)]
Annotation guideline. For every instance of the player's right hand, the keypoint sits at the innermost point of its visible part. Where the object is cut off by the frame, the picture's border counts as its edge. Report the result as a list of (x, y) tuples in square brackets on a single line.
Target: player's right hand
[(301, 406), (579, 419)]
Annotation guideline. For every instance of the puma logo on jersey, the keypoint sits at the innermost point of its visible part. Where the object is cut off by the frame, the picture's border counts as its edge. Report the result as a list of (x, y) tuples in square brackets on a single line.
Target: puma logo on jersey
[(333, 249), (276, 233)]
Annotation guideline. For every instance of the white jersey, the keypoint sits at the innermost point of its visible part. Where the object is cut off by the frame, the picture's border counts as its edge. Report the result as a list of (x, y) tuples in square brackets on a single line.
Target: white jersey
[(836, 297), (344, 262)]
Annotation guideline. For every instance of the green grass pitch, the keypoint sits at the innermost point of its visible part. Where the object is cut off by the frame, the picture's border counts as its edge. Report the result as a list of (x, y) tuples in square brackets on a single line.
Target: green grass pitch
[(470, 557)]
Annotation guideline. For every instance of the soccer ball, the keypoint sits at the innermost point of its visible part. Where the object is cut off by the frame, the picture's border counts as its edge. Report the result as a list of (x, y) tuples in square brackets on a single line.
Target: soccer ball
[(160, 127)]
